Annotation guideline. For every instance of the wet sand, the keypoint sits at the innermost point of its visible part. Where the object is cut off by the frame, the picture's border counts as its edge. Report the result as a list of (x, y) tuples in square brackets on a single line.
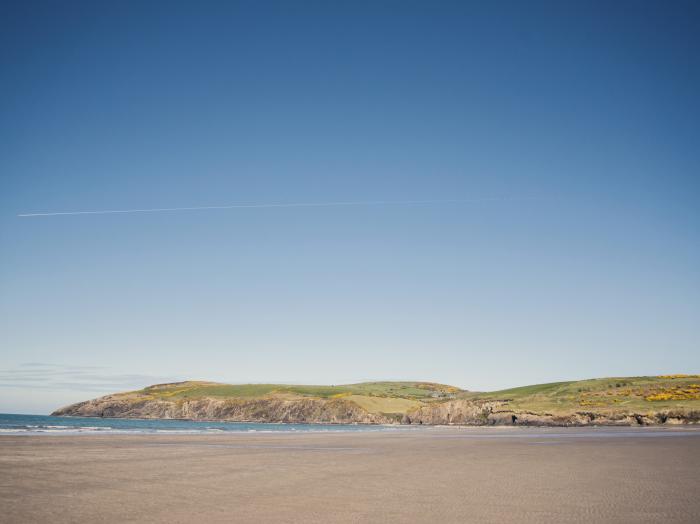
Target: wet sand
[(423, 475)]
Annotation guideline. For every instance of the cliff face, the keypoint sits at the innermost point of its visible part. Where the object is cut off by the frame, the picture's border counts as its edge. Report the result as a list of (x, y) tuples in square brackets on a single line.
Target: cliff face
[(341, 411), (311, 410), (496, 413)]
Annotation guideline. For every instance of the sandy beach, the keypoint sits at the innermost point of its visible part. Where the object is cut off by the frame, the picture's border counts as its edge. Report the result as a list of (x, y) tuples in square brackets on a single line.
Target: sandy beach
[(425, 475)]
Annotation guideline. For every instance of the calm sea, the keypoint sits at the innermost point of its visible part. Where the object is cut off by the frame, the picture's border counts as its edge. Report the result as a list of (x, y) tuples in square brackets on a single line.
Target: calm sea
[(41, 424)]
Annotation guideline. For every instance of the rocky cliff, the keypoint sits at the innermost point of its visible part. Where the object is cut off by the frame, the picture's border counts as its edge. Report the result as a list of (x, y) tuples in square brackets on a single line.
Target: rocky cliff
[(302, 410), (497, 413), (342, 411)]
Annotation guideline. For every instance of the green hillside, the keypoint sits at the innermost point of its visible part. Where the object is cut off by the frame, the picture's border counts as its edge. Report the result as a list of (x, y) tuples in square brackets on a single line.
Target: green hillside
[(616, 394), (412, 390), (603, 394), (375, 397)]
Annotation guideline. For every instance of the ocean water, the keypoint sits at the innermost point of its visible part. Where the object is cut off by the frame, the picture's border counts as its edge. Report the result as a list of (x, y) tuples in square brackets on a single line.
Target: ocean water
[(43, 425)]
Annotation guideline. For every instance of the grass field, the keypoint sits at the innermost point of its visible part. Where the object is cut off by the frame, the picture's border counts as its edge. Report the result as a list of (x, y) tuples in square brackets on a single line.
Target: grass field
[(621, 393), (399, 390), (385, 404), (616, 394)]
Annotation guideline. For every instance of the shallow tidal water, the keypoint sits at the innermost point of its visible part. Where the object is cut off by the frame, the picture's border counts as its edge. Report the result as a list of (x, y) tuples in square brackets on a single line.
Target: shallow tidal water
[(43, 424)]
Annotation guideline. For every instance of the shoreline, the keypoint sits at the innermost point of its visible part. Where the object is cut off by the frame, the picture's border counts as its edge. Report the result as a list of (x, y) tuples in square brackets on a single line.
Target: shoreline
[(42, 425), (437, 430), (18, 424)]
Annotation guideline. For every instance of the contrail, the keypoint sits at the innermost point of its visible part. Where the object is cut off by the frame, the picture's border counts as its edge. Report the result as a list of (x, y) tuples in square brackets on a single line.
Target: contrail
[(272, 204)]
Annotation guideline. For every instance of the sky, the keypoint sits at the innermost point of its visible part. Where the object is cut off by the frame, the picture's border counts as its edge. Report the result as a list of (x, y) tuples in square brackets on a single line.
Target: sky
[(532, 168)]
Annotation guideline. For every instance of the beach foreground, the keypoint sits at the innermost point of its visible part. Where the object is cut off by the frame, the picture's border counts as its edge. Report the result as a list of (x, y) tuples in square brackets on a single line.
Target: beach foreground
[(412, 475)]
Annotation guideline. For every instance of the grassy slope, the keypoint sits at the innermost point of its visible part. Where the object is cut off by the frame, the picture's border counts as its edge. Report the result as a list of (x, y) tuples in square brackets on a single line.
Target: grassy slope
[(633, 394), (640, 394), (375, 397)]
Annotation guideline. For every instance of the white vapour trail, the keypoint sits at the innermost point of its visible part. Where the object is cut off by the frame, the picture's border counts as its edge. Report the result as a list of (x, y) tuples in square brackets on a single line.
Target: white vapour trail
[(273, 204)]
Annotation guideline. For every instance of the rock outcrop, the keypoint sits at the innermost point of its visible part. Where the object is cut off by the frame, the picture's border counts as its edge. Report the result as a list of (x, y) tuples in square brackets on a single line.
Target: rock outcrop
[(342, 411), (304, 410), (496, 413)]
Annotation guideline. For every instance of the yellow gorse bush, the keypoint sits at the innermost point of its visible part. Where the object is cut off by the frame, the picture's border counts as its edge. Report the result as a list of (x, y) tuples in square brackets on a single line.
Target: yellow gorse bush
[(690, 392)]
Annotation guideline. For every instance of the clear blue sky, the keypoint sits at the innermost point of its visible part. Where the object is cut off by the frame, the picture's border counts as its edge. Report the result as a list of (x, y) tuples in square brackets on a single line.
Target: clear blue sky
[(581, 120)]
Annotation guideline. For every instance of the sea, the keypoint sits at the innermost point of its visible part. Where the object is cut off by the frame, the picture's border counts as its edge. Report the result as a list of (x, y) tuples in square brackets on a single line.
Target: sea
[(48, 425)]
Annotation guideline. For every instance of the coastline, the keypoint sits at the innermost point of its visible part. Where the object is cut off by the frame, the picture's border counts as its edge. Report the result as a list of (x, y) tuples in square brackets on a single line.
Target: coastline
[(575, 420), (621, 401), (17, 424)]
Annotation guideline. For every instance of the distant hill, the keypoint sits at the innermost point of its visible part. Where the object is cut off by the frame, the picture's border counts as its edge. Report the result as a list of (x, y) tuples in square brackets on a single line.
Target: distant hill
[(668, 399)]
